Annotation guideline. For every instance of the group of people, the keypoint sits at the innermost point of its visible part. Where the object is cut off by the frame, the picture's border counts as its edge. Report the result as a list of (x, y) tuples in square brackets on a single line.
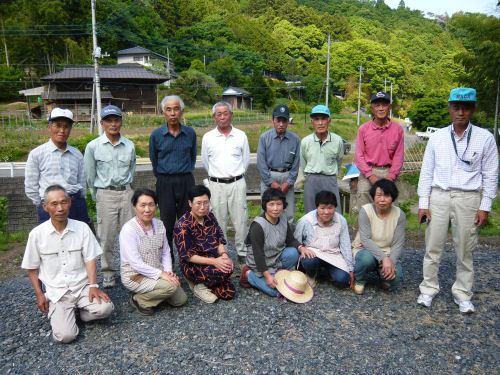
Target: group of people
[(457, 186)]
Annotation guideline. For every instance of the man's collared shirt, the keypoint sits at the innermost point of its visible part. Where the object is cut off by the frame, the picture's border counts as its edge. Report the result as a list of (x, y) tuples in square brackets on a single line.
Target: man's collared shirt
[(442, 168), (48, 165), (379, 147), (278, 153), (172, 155), (61, 257), (193, 238), (321, 158), (223, 156), (304, 233), (107, 164)]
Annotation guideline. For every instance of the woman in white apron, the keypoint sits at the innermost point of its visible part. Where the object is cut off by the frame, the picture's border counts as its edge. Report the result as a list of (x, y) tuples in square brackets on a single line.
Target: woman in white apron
[(325, 235)]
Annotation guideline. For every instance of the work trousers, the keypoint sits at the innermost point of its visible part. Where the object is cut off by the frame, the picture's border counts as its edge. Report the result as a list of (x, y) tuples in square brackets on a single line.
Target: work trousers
[(458, 209), (172, 191), (316, 183), (62, 314), (114, 208), (232, 197), (163, 291)]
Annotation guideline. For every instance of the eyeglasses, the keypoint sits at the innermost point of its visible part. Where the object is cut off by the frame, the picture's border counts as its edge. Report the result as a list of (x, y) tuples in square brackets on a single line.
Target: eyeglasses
[(201, 204)]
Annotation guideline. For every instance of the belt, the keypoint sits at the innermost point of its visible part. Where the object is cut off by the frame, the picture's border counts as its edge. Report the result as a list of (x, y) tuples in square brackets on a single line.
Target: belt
[(115, 188), (280, 169), (227, 180)]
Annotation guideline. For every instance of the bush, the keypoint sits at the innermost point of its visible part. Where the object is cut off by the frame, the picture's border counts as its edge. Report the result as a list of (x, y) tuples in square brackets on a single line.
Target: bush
[(429, 111), (293, 107), (81, 142), (336, 106)]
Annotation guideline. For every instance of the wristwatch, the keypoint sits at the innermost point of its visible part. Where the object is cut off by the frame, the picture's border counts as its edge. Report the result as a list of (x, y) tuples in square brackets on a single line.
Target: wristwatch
[(94, 286)]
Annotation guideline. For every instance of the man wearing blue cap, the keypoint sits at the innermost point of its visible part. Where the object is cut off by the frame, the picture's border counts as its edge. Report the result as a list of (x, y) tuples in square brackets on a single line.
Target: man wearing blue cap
[(56, 162), (458, 183), (110, 166), (321, 156)]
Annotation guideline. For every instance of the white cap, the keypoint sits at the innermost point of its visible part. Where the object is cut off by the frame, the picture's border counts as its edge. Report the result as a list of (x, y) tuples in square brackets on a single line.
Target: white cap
[(61, 112)]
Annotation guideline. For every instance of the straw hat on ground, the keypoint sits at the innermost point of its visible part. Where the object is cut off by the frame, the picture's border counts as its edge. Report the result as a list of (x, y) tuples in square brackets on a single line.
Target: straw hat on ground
[(293, 286)]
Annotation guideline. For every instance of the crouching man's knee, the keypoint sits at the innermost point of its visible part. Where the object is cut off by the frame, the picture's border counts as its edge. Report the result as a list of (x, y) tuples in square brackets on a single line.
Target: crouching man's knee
[(64, 334)]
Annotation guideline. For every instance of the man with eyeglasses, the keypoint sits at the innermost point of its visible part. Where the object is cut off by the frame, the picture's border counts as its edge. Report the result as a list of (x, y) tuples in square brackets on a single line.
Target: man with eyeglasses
[(379, 148), (57, 163), (457, 185), (203, 258), (109, 166)]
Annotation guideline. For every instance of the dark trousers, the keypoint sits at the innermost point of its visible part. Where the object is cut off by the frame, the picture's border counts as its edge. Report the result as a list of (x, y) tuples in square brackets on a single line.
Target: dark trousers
[(172, 191), (78, 210)]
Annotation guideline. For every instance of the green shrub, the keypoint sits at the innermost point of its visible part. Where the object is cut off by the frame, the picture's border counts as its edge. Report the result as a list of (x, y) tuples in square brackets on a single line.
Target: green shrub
[(81, 142), (3, 214)]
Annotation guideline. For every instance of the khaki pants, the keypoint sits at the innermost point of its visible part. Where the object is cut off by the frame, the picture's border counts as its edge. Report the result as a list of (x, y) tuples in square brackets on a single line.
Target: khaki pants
[(62, 314), (232, 196), (363, 196), (113, 210), (459, 209), (163, 291)]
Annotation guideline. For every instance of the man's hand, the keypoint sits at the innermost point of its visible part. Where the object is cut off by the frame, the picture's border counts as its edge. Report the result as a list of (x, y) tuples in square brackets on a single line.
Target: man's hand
[(270, 280), (284, 187), (223, 264), (423, 212), (275, 185), (170, 277), (42, 302), (373, 179), (306, 253), (351, 280), (99, 295), (481, 218), (388, 269)]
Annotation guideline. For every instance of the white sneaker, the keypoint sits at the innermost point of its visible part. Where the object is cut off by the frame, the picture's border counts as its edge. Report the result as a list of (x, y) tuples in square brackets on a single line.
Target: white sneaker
[(204, 293), (465, 306), (425, 300), (311, 280)]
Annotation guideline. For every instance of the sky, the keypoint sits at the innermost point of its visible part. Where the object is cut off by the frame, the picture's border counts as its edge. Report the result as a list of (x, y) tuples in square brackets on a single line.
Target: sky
[(450, 6)]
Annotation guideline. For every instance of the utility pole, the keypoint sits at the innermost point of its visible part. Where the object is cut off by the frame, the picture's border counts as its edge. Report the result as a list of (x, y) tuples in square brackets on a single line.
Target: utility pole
[(359, 93), (327, 72), (168, 67), (97, 82), (495, 127), (5, 45), (391, 100), (92, 110)]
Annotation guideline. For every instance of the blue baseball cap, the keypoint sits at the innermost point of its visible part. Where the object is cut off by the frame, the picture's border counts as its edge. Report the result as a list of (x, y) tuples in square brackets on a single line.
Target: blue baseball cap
[(320, 109), (462, 94), (110, 110)]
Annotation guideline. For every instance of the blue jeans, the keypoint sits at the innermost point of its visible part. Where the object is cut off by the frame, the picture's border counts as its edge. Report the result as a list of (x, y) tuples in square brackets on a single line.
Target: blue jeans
[(288, 258), (313, 266), (366, 262), (77, 211)]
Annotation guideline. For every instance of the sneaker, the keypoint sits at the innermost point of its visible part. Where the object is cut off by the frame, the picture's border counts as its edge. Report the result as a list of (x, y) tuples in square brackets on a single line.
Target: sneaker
[(425, 300), (204, 293), (311, 280), (385, 285), (141, 310), (244, 277), (465, 306), (108, 281), (359, 289), (190, 283)]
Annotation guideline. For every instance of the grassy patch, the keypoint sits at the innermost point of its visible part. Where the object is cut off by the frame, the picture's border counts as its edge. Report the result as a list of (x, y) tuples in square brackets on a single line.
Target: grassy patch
[(9, 239)]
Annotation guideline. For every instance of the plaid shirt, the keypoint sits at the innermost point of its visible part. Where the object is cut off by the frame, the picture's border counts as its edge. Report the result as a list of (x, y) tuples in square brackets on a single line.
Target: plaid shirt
[(48, 165), (442, 167)]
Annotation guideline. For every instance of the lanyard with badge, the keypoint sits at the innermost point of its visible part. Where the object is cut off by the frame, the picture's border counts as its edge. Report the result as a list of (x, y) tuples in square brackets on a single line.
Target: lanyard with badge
[(468, 162)]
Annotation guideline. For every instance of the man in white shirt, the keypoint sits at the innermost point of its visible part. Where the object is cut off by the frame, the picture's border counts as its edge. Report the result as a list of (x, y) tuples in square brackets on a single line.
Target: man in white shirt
[(458, 183), (61, 253), (225, 155)]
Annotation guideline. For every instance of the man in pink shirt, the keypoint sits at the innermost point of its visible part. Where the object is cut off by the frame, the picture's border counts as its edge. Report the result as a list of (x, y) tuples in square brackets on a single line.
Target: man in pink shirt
[(379, 148)]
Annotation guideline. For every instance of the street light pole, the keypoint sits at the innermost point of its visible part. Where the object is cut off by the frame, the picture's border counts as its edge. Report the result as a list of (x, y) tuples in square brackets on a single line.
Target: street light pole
[(328, 72)]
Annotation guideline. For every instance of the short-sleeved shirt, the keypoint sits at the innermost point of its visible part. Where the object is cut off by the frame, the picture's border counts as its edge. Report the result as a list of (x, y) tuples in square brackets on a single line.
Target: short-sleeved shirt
[(172, 155), (193, 238), (321, 158), (107, 164), (61, 257), (48, 165)]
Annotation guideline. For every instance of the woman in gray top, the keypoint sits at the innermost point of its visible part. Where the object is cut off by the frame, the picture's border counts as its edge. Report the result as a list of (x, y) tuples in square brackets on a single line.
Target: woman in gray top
[(273, 246)]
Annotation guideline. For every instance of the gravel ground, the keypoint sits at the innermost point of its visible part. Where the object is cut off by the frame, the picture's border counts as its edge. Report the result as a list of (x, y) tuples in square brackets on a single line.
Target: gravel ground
[(338, 332)]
